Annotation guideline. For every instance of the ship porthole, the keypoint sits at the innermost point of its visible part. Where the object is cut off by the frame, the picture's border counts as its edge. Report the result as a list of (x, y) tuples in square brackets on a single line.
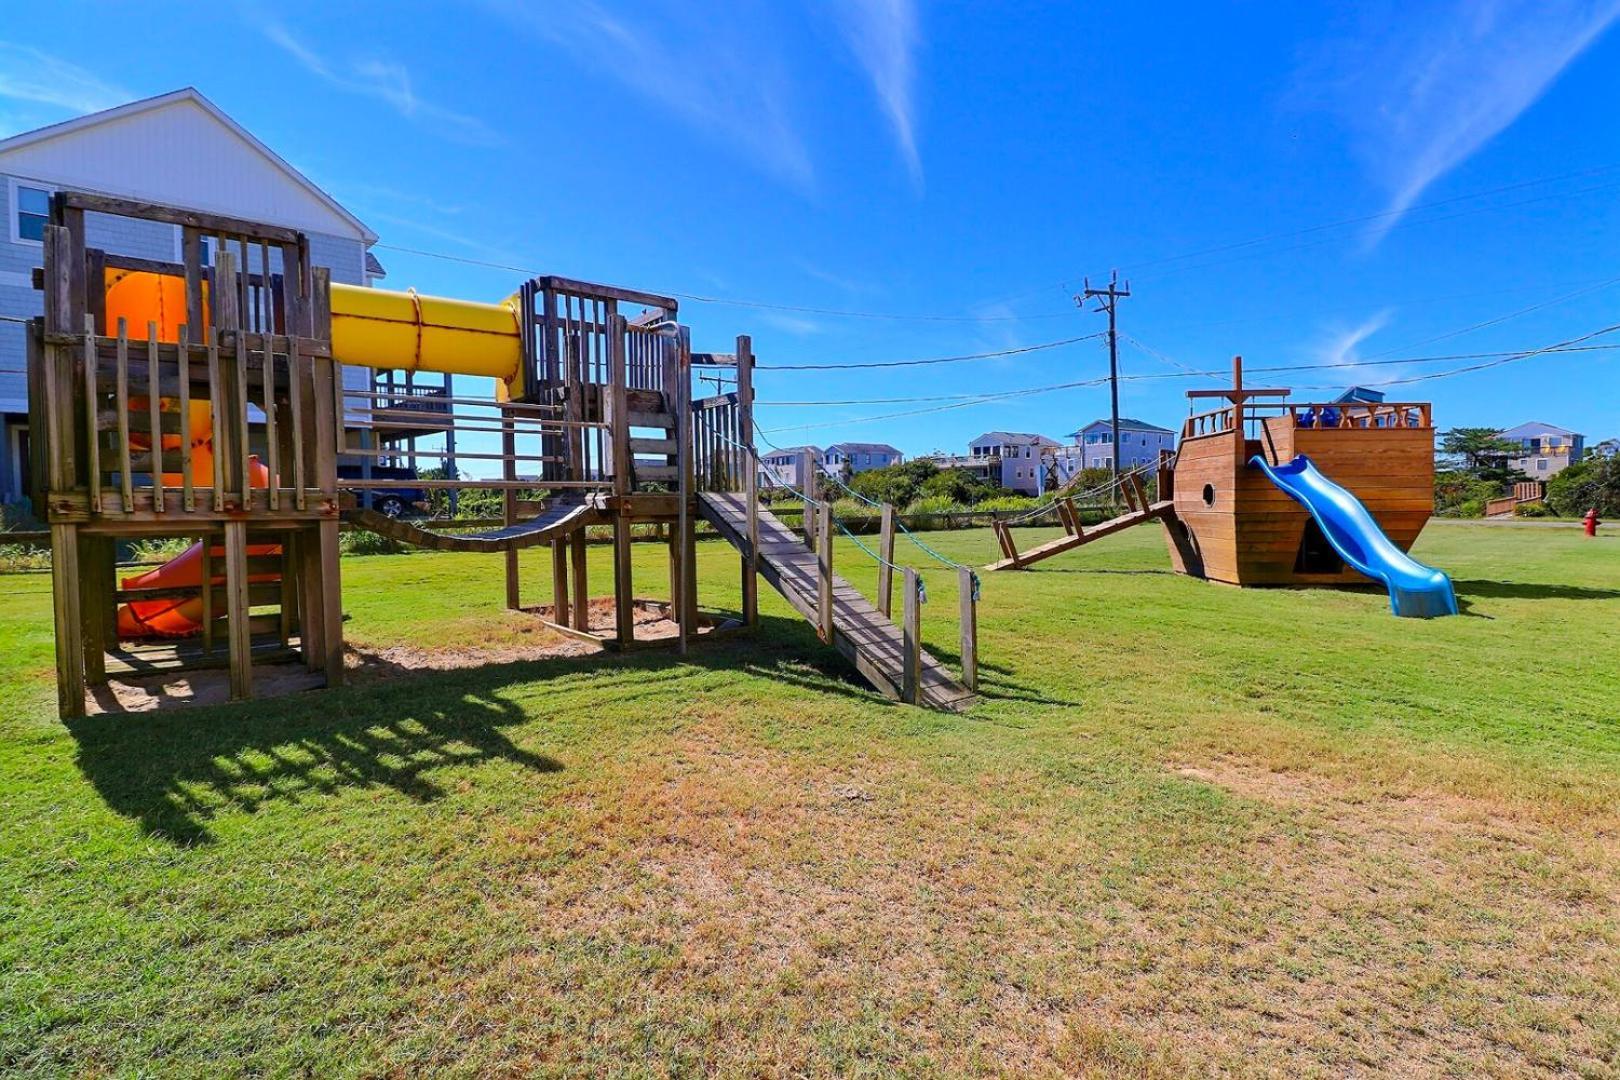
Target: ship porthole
[(1209, 494)]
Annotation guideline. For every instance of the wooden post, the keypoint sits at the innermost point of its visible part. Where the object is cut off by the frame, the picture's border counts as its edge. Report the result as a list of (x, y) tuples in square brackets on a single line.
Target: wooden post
[(619, 401), (559, 582), (580, 569), (206, 577), (154, 415), (811, 491), (886, 562), (92, 431), (237, 630), (188, 494), (126, 481), (911, 638), (1164, 479), (96, 598), (967, 581), (748, 462), (66, 600), (824, 559), (331, 594), (311, 607), (687, 601), (1140, 494), (514, 598)]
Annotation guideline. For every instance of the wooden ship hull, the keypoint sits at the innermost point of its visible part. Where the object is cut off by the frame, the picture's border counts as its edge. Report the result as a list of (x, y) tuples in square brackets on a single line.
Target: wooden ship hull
[(1231, 524)]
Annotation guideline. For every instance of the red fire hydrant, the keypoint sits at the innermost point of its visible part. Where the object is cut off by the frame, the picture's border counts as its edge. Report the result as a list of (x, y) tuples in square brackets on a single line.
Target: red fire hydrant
[(1592, 522)]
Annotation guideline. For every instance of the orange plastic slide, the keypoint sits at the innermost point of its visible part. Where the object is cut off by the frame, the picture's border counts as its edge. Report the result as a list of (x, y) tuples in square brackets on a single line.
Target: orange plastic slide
[(178, 617), (137, 298)]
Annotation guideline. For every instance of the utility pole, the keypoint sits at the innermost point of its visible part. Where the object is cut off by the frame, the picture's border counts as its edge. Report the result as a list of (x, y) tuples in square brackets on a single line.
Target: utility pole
[(1107, 299)]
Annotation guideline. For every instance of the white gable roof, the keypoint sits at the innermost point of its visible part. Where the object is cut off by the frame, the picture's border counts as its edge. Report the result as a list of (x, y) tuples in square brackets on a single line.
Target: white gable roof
[(181, 150)]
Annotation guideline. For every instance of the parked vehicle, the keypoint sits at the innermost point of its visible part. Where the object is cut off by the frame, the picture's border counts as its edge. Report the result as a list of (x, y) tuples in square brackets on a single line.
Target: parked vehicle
[(390, 501)]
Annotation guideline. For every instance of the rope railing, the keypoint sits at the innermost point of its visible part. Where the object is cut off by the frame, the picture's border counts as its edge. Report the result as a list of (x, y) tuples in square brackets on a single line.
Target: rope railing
[(899, 523), (1046, 508), (914, 590)]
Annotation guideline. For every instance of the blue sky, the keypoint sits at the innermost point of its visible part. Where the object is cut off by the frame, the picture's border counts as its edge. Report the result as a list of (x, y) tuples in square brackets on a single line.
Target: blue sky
[(1303, 184)]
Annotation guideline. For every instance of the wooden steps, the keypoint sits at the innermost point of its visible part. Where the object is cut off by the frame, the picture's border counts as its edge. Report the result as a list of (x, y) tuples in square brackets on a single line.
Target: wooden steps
[(1075, 536), (868, 638)]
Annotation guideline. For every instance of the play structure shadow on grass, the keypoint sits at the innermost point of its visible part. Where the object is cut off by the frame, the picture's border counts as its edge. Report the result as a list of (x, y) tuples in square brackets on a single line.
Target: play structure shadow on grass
[(172, 771)]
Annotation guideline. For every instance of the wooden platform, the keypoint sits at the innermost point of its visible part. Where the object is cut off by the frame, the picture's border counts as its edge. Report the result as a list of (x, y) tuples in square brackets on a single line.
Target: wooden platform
[(1076, 537), (862, 633)]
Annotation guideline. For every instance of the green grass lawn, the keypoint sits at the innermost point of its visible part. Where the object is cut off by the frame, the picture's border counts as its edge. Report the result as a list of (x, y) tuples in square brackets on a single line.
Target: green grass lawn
[(1190, 828)]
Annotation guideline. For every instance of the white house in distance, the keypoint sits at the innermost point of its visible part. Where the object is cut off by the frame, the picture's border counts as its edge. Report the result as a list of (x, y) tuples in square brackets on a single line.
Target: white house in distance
[(1139, 443), (177, 149), (1545, 449), (849, 458), (789, 466)]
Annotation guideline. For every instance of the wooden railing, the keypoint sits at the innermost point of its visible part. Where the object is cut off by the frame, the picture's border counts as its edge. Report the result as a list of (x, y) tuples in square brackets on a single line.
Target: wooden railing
[(720, 448), (1312, 416), (403, 398)]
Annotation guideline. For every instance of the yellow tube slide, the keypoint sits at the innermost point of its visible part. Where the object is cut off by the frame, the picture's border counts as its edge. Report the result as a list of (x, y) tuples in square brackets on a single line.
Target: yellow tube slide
[(372, 328), (382, 329)]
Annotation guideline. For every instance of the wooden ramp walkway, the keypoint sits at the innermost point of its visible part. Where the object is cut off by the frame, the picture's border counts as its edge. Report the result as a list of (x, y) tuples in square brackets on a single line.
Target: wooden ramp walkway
[(559, 517), (1076, 534), (871, 641)]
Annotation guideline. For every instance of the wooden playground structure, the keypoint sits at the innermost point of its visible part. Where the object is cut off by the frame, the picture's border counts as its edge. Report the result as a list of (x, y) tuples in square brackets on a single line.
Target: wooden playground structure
[(1224, 520), (203, 399)]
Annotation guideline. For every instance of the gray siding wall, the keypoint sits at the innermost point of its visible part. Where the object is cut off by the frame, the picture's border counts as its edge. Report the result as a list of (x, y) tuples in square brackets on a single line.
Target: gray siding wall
[(124, 236)]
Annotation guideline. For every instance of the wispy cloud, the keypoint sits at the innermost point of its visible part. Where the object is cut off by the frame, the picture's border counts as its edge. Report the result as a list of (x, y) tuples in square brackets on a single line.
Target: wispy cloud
[(32, 78), (704, 67), (837, 281), (1422, 95), (883, 35), (1341, 344), (388, 82), (796, 325)]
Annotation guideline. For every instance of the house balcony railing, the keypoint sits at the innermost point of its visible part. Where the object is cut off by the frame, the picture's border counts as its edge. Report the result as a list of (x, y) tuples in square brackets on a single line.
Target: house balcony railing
[(410, 408)]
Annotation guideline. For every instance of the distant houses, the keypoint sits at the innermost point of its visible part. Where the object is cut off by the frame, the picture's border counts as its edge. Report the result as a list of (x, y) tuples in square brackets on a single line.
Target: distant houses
[(1023, 461), (1545, 449), (788, 466), (1139, 443), (848, 458)]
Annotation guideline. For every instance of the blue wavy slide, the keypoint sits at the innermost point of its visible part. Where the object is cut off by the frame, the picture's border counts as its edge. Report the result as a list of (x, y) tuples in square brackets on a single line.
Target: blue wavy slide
[(1415, 591)]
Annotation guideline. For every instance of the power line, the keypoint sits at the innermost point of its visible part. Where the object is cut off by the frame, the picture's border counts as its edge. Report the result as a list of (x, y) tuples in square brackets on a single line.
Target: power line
[(1186, 372), (1015, 351), (1566, 297), (1108, 301), (979, 400), (1568, 346)]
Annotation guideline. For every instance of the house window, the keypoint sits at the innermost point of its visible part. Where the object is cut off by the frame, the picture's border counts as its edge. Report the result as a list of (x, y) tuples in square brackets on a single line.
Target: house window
[(1541, 464), (33, 211)]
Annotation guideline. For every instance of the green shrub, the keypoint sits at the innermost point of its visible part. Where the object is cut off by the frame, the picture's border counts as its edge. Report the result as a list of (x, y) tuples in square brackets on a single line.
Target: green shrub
[(156, 549), (1457, 492), (1593, 484), (361, 542), (933, 504), (1008, 504), (1532, 510), (19, 557)]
